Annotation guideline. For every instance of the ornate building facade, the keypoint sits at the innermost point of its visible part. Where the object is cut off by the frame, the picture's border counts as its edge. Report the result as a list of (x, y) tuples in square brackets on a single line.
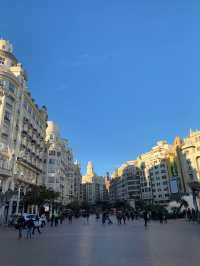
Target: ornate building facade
[(22, 130), (92, 186), (59, 164)]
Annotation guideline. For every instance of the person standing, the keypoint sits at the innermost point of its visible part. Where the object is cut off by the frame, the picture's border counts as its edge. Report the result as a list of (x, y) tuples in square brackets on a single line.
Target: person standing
[(161, 216)]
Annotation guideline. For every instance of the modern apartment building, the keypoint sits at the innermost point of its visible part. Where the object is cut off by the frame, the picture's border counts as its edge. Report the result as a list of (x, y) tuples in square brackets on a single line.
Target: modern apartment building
[(125, 183), (155, 176)]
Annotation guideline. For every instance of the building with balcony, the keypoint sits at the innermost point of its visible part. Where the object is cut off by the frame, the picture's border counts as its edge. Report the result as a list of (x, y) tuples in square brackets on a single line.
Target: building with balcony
[(125, 183), (59, 164), (77, 181), (189, 156), (92, 186), (22, 128)]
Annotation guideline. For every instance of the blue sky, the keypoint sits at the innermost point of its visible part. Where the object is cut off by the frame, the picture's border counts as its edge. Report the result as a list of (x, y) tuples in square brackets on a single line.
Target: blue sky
[(116, 75)]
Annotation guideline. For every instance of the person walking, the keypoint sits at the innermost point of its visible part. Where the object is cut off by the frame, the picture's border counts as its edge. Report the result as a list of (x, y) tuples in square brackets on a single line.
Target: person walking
[(97, 216), (124, 217), (132, 215), (29, 228), (52, 220), (145, 216), (70, 215), (161, 217), (56, 220), (104, 218), (193, 215), (36, 225), (87, 216), (20, 225), (108, 218), (119, 217), (189, 215)]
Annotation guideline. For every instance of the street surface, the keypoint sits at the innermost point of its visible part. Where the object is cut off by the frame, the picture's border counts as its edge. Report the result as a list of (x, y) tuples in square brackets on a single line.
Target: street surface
[(80, 244)]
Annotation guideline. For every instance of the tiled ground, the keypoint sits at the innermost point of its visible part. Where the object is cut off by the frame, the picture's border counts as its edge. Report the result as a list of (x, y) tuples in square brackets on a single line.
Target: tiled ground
[(174, 244)]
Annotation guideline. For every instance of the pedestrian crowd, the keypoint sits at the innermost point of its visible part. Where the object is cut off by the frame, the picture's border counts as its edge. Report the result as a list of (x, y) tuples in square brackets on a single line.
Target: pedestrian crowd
[(122, 216)]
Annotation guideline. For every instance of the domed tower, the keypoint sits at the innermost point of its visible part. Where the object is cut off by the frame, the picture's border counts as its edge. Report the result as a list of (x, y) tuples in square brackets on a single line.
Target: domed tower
[(12, 85), (90, 169), (12, 81)]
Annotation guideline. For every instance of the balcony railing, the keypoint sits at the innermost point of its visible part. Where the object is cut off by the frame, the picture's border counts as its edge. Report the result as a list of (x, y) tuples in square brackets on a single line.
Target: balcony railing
[(5, 172)]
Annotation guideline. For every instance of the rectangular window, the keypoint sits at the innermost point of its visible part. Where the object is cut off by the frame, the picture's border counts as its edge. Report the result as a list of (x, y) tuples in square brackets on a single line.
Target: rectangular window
[(52, 161), (2, 60), (9, 106), (52, 152), (52, 171), (7, 116), (4, 136), (11, 87), (51, 179), (163, 171), (29, 110)]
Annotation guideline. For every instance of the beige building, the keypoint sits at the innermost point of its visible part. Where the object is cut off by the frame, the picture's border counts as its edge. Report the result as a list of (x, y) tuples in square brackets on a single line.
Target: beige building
[(59, 164), (92, 185), (189, 153), (125, 183), (77, 181), (155, 184), (22, 129), (155, 176)]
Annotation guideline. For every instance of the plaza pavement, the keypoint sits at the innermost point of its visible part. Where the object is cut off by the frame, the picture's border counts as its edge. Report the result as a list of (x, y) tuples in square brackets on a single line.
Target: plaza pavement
[(174, 244)]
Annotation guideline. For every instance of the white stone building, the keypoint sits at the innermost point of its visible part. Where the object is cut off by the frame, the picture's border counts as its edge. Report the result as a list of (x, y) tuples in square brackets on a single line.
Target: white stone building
[(92, 186), (59, 164), (22, 131)]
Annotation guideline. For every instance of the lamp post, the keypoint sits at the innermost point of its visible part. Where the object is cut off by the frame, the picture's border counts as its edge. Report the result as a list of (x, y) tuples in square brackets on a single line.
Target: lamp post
[(18, 199)]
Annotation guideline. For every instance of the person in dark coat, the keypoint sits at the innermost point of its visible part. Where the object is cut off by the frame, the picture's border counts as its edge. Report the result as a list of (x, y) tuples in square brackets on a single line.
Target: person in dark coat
[(145, 216), (20, 225), (29, 227)]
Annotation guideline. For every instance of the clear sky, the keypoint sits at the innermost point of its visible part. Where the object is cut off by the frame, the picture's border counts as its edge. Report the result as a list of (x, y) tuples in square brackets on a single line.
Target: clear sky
[(116, 75)]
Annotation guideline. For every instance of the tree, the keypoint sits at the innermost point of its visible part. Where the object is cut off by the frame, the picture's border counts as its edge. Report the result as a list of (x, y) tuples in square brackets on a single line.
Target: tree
[(39, 194)]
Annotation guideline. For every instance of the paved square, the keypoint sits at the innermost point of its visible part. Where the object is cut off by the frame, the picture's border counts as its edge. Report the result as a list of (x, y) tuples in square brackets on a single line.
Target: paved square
[(174, 244)]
